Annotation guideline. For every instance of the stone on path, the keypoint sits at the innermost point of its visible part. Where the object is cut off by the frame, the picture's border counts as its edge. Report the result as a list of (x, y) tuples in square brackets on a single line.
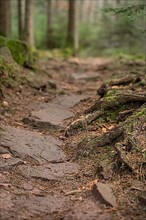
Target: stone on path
[(28, 207), (52, 115), (105, 169), (85, 77), (49, 171), (23, 143), (87, 210), (6, 164), (41, 204), (104, 194)]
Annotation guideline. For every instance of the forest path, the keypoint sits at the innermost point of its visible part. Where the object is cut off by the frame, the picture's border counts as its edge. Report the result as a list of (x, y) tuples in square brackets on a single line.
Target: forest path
[(39, 180)]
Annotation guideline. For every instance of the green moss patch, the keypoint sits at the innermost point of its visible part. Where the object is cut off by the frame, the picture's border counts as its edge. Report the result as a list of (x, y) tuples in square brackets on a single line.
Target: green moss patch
[(20, 50), (8, 73)]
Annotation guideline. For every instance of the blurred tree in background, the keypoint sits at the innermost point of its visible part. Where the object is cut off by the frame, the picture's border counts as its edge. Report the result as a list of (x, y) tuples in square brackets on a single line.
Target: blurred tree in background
[(5, 18), (89, 27)]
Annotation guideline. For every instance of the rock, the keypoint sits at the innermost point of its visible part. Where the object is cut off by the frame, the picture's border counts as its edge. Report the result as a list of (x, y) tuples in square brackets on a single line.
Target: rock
[(49, 118), (105, 169), (84, 77), (20, 51), (23, 143), (6, 164), (87, 210), (53, 114), (42, 83), (40, 205), (102, 89), (142, 198), (104, 194), (49, 171), (6, 205)]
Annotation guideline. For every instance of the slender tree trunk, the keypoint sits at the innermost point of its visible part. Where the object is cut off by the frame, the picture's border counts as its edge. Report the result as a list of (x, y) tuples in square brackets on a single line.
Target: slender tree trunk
[(73, 33), (29, 22), (21, 10), (49, 24), (5, 17)]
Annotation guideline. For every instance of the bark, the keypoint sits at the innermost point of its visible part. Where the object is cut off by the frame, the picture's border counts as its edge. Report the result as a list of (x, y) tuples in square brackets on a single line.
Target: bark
[(21, 8), (73, 35), (5, 17), (49, 24), (29, 22)]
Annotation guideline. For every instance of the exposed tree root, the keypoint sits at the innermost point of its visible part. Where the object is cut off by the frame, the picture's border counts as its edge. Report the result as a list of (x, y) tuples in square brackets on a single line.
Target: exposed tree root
[(82, 122), (124, 80), (115, 97), (129, 136), (111, 100), (130, 150)]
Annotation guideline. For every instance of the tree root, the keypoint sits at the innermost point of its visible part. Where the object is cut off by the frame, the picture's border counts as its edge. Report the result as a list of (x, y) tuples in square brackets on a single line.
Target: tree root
[(111, 100), (82, 122), (114, 98), (132, 147), (124, 80)]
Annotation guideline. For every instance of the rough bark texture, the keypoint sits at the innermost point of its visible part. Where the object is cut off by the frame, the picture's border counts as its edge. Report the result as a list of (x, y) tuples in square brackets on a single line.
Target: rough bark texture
[(72, 35), (49, 24), (21, 8), (29, 22), (5, 18)]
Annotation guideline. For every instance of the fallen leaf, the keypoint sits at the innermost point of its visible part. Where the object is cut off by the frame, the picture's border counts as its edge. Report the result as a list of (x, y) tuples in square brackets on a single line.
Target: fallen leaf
[(104, 130), (6, 156), (111, 127)]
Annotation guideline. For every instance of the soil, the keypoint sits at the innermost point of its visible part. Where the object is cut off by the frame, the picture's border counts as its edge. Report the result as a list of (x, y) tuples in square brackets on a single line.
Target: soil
[(40, 176)]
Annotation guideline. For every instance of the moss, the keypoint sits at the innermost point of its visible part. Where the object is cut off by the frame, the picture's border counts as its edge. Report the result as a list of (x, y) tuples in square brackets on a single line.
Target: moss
[(8, 74), (20, 50)]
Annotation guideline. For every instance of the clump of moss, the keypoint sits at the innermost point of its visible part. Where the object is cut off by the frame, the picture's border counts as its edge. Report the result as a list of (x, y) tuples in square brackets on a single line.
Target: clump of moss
[(8, 73), (20, 50)]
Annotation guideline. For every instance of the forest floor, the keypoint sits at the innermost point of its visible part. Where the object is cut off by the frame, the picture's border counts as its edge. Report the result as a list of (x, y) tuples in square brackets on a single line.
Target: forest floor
[(41, 177)]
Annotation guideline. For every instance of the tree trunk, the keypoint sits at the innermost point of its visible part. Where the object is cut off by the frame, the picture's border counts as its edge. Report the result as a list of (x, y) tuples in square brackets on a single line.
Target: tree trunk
[(29, 22), (73, 35), (21, 10), (5, 17), (49, 25)]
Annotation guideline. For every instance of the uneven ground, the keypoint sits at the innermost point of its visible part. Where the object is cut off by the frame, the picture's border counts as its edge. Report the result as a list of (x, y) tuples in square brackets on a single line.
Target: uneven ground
[(41, 178)]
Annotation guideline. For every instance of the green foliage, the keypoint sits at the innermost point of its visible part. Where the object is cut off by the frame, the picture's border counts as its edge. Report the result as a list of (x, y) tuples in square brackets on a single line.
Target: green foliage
[(131, 12), (117, 30)]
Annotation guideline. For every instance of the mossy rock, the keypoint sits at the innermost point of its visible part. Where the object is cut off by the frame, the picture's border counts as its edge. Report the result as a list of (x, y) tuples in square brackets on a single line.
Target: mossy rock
[(8, 73), (9, 69), (20, 50)]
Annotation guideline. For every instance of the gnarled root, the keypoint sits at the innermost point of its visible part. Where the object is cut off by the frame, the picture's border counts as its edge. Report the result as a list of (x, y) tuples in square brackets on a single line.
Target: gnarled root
[(131, 149), (82, 122)]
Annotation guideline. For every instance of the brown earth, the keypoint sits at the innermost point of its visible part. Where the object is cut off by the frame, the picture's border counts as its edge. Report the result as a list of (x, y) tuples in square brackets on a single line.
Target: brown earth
[(40, 177)]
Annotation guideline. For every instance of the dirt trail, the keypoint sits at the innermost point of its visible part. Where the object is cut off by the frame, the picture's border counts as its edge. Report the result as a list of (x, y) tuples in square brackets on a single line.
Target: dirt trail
[(39, 179)]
